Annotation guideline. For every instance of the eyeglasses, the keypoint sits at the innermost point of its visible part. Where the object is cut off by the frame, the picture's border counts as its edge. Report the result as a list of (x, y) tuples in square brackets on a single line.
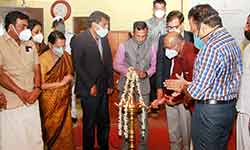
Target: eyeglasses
[(169, 28)]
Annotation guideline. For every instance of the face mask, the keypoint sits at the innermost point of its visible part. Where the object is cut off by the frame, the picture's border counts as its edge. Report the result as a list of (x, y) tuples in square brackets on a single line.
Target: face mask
[(58, 51), (101, 32), (25, 35), (61, 28), (2, 30), (170, 53), (247, 35), (38, 38), (159, 14), (198, 43)]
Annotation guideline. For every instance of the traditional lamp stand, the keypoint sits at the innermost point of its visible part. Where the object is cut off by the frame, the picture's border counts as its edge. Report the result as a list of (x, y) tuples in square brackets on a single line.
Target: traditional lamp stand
[(129, 108)]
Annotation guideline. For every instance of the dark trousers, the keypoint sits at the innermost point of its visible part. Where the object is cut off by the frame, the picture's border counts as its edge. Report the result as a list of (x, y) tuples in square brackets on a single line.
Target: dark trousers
[(211, 125), (96, 114), (153, 88)]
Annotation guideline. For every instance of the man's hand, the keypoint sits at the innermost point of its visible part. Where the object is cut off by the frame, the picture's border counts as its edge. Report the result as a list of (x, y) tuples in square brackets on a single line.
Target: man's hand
[(165, 99), (110, 91), (23, 95), (176, 84), (171, 99), (141, 74), (33, 96), (175, 94), (155, 104), (93, 90), (159, 93), (3, 101)]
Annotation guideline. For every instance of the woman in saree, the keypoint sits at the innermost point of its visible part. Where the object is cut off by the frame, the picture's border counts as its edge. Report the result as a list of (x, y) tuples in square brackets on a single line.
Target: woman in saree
[(57, 75)]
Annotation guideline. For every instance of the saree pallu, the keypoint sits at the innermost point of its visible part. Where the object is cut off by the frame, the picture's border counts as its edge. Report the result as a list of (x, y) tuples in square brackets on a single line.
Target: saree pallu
[(55, 103)]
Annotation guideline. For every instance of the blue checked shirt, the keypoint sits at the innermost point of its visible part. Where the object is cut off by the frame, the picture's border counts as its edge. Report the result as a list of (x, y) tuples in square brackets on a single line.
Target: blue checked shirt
[(218, 68)]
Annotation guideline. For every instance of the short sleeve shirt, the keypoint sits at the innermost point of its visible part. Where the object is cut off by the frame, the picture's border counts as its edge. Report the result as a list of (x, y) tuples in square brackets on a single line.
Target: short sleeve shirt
[(18, 62)]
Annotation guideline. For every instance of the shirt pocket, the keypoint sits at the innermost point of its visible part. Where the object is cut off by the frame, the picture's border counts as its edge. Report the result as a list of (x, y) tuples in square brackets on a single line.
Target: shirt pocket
[(28, 60)]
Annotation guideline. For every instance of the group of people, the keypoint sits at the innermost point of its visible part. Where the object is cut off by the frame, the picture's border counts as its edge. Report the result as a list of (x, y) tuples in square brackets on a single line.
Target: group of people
[(198, 75), (30, 70)]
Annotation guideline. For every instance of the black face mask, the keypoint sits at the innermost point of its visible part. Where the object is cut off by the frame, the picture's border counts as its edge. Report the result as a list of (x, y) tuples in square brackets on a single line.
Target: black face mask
[(247, 35)]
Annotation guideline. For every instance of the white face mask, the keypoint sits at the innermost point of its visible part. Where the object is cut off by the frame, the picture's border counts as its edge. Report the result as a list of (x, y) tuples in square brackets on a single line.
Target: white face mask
[(159, 14), (170, 53), (2, 30), (58, 51), (25, 35), (101, 32), (38, 38)]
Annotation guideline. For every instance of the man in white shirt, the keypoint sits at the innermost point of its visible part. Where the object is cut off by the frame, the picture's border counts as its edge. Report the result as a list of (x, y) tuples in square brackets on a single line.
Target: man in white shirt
[(243, 119)]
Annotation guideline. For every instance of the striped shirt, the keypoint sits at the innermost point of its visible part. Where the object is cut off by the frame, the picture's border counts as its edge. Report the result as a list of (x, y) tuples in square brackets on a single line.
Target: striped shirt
[(218, 68)]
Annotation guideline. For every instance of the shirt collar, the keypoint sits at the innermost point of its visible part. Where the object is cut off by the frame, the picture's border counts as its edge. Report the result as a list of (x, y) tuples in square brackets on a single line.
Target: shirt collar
[(214, 33), (7, 37)]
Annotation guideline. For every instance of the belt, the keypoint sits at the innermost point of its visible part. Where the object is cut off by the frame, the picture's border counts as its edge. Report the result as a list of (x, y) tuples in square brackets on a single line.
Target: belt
[(213, 102)]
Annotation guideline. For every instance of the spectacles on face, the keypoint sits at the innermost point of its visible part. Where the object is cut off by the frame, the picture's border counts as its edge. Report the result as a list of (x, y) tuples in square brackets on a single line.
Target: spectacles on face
[(170, 28)]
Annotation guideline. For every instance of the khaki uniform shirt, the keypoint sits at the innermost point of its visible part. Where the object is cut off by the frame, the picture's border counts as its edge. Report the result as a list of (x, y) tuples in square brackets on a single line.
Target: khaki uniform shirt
[(18, 62)]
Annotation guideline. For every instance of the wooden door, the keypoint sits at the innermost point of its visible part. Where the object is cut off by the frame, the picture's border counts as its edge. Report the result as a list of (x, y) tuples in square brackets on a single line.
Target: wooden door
[(80, 24), (115, 38)]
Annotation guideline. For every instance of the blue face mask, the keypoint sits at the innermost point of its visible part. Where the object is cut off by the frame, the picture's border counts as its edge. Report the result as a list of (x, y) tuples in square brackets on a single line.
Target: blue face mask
[(198, 43), (58, 51), (102, 32)]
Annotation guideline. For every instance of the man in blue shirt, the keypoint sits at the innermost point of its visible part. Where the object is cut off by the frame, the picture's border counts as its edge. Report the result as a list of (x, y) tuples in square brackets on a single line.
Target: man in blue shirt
[(216, 80)]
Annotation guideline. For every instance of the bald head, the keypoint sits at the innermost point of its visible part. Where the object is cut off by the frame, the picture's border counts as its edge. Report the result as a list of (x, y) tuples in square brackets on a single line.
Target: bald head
[(172, 39)]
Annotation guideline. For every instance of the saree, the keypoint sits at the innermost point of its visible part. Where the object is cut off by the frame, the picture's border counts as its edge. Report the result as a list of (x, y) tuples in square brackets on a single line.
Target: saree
[(55, 103)]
